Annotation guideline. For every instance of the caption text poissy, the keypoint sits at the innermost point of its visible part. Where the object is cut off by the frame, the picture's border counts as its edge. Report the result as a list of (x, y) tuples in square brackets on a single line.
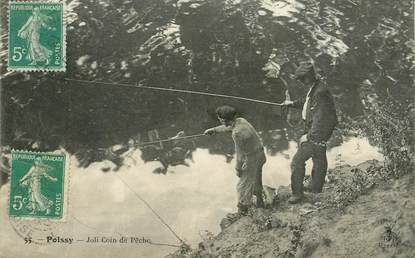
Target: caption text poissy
[(92, 240)]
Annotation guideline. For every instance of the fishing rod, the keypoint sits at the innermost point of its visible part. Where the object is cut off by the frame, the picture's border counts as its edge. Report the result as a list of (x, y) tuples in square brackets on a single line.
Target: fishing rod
[(140, 86), (142, 144), (171, 139)]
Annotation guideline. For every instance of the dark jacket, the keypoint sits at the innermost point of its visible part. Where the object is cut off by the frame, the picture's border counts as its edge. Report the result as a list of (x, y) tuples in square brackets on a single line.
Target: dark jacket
[(321, 117)]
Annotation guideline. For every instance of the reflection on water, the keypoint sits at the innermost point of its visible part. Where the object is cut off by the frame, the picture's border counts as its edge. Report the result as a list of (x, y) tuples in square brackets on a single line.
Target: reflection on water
[(190, 198)]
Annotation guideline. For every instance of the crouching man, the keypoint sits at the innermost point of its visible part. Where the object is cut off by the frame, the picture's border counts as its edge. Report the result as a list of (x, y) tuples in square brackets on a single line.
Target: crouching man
[(250, 156)]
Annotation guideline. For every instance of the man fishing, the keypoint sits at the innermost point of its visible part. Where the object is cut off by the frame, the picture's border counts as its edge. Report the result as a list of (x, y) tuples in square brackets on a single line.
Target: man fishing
[(250, 156), (319, 115)]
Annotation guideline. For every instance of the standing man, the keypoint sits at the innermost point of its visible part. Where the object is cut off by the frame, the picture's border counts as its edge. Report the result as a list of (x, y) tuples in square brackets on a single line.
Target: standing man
[(250, 156), (319, 115)]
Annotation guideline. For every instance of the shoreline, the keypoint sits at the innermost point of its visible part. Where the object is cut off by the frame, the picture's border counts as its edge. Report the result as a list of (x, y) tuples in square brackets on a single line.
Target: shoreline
[(357, 215)]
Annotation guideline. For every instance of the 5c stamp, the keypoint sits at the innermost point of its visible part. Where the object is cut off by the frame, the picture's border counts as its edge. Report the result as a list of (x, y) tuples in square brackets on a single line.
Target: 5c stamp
[(36, 36), (37, 185)]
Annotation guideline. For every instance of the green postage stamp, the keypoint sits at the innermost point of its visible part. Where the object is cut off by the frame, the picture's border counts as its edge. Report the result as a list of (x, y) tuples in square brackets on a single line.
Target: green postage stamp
[(37, 185), (36, 36)]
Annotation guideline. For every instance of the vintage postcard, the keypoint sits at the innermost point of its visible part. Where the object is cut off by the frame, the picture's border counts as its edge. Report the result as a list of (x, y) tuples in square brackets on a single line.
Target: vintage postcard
[(207, 128)]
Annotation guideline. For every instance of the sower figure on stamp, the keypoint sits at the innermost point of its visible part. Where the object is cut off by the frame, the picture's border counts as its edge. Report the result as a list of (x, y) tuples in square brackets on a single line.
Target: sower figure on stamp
[(250, 156), (30, 31), (38, 201), (320, 119)]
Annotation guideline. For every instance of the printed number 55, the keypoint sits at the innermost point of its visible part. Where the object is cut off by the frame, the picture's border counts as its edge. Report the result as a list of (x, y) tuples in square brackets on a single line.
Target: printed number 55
[(18, 53)]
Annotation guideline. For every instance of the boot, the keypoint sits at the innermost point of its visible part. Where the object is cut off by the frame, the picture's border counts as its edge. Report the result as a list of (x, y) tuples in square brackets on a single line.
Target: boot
[(243, 209), (259, 202), (295, 198), (308, 187)]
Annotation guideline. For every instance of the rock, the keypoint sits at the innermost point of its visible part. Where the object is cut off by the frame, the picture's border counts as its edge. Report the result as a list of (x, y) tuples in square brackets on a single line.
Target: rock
[(228, 220), (261, 217), (326, 241), (268, 224), (261, 214), (307, 249), (224, 223), (277, 223), (160, 170), (341, 229), (307, 208), (304, 212)]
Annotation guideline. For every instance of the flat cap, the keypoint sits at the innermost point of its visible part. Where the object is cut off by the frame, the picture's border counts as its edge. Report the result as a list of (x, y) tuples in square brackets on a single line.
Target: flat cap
[(304, 68)]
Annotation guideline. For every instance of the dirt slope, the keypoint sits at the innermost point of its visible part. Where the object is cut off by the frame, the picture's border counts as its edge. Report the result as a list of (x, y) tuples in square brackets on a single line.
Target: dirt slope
[(361, 213)]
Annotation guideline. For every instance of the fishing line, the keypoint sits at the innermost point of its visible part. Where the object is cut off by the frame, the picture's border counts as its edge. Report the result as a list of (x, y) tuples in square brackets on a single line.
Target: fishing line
[(152, 210), (93, 228), (108, 233), (163, 244), (174, 90)]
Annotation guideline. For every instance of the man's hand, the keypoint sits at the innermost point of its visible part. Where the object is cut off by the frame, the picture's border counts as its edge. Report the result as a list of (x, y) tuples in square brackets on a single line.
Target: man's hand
[(244, 166), (178, 135), (287, 103), (241, 169), (210, 131), (303, 139), (239, 172)]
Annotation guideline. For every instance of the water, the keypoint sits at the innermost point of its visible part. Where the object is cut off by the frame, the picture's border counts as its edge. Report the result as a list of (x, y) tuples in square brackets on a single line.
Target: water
[(191, 199)]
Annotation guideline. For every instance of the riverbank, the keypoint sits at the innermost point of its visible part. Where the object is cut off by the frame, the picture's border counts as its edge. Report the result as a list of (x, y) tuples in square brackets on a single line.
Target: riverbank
[(361, 213)]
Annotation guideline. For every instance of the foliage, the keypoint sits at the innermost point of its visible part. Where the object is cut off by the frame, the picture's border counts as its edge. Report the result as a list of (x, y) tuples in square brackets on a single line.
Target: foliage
[(350, 185), (390, 126)]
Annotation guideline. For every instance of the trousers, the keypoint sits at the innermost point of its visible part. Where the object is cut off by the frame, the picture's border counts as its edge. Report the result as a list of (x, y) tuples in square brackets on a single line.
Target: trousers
[(250, 181), (306, 151)]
